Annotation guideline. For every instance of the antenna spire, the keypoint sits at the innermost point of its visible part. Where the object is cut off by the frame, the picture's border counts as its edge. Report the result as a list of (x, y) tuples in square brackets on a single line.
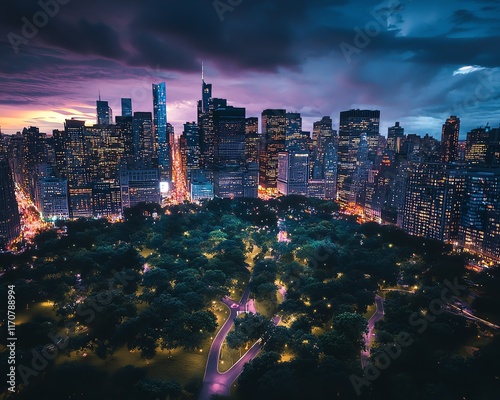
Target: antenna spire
[(202, 72)]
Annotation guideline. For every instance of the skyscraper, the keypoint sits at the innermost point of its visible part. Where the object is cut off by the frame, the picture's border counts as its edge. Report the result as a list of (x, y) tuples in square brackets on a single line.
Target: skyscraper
[(395, 135), (293, 133), (206, 94), (229, 125), (324, 141), (293, 172), (449, 139), (144, 140), (77, 154), (274, 124), (106, 149), (16, 156), (160, 131), (34, 154), (78, 171), (353, 124), (139, 186), (54, 198), (10, 224), (252, 140), (432, 201), (207, 131), (191, 140), (126, 107), (476, 147), (480, 220), (232, 177), (124, 130), (330, 167), (104, 113), (323, 131)]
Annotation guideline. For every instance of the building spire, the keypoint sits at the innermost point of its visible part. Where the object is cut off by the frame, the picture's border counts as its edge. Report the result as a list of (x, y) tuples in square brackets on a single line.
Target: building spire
[(202, 72), (99, 94)]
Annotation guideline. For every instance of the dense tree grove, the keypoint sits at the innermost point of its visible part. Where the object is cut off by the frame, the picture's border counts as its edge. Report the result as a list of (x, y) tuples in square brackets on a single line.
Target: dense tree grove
[(152, 283)]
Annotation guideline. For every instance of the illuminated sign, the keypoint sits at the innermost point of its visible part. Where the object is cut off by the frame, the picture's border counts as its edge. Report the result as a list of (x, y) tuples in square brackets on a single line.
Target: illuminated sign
[(164, 187)]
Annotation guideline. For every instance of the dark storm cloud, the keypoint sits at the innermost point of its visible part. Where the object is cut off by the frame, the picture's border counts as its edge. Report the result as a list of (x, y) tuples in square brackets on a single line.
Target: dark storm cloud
[(461, 16), (285, 51), (260, 35), (85, 37)]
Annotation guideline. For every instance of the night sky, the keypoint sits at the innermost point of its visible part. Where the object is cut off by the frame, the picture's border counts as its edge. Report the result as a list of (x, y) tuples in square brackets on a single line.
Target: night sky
[(425, 60)]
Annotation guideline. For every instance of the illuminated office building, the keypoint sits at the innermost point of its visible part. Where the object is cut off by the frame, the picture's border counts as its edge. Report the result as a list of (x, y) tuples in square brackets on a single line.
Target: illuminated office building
[(353, 124), (274, 124), (449, 139), (54, 203), (480, 220), (190, 149), (432, 201), (293, 172), (161, 134), (476, 146), (106, 199), (10, 224), (34, 153), (252, 140), (104, 113), (144, 140), (127, 108), (395, 137), (139, 186)]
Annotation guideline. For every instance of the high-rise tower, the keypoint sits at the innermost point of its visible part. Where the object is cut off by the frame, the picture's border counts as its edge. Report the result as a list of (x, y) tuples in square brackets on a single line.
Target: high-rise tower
[(162, 140), (126, 107), (104, 112), (449, 139), (353, 124), (274, 124)]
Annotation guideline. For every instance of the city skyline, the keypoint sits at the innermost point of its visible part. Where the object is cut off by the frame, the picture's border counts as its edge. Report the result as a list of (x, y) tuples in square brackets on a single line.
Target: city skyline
[(332, 59), (242, 200)]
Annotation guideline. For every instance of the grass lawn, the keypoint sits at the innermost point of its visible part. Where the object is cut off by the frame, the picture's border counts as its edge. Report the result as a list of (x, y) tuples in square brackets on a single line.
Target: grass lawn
[(147, 252), (370, 311), (472, 345), (228, 357), (178, 364), (265, 308), (45, 309)]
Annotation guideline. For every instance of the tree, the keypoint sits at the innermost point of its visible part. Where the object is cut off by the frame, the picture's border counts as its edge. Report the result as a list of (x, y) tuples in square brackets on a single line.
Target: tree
[(151, 389), (352, 326), (279, 338)]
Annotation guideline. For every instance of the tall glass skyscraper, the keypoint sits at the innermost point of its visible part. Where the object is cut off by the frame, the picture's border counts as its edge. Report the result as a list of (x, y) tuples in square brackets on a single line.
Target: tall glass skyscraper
[(354, 123), (207, 95), (104, 113), (126, 107), (160, 131)]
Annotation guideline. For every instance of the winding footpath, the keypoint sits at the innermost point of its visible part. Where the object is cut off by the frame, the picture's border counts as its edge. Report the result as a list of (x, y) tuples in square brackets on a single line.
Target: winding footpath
[(215, 382), (379, 314)]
